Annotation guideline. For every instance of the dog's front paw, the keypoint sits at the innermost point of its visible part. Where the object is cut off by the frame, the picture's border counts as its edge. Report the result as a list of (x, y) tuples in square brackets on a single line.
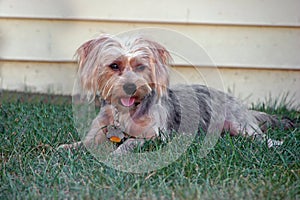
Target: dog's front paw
[(128, 146), (70, 146)]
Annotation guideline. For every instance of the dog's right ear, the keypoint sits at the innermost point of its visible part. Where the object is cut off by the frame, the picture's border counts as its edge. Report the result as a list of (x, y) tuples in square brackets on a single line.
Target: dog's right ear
[(83, 51), (86, 49), (88, 69)]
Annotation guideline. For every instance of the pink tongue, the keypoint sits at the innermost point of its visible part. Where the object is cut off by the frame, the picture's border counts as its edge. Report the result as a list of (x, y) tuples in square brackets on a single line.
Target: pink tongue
[(127, 101)]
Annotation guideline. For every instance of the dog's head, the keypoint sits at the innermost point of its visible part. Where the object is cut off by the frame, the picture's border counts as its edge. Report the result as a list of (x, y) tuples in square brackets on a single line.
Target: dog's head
[(123, 72)]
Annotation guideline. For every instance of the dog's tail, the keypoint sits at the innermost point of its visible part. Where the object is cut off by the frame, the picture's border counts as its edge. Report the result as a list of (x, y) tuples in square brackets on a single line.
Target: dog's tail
[(267, 121)]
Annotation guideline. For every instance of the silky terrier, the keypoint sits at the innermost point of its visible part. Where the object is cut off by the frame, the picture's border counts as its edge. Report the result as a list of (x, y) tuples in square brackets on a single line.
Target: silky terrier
[(131, 79)]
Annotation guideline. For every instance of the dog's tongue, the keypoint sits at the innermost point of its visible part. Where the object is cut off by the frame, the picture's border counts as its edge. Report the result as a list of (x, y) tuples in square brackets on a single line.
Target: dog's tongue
[(127, 101)]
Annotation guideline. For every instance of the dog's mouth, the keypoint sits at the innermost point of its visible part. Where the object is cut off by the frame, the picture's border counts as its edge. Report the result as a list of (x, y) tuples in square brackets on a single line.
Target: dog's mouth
[(128, 101)]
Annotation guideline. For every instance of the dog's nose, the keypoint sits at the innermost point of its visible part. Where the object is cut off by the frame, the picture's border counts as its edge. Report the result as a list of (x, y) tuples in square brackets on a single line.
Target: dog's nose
[(129, 88)]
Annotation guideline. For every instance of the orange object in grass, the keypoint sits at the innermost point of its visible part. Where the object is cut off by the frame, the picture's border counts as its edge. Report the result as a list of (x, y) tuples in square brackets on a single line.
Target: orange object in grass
[(115, 139)]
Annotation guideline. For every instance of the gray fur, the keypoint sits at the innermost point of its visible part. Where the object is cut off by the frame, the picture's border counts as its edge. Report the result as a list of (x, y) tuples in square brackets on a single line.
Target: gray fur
[(213, 102)]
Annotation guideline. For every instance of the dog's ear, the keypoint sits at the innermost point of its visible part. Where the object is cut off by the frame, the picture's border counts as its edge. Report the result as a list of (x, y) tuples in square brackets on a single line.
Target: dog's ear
[(88, 67), (161, 62), (83, 51)]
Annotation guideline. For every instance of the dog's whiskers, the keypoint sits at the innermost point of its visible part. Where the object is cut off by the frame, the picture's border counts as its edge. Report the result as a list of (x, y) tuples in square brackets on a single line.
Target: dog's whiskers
[(109, 90)]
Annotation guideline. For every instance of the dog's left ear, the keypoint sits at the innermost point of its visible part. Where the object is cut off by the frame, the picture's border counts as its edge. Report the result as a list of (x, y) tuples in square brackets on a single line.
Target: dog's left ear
[(161, 62)]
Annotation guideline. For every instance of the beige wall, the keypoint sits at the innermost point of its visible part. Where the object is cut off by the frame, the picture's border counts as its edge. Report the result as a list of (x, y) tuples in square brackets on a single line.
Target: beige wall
[(254, 43)]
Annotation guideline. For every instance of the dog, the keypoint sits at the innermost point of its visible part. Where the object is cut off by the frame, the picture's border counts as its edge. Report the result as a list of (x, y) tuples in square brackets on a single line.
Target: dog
[(131, 78)]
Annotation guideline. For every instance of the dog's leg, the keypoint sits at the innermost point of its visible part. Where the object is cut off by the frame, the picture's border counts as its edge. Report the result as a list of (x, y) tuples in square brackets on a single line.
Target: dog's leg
[(259, 122), (254, 131), (95, 136), (270, 121), (249, 130), (97, 133)]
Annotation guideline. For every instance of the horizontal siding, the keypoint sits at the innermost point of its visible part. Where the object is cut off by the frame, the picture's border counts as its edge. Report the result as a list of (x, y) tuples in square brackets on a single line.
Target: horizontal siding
[(251, 12), (256, 43), (254, 47), (54, 78), (250, 85)]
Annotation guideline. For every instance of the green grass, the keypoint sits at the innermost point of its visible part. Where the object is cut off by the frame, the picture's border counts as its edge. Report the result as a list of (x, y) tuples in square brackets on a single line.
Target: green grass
[(236, 168)]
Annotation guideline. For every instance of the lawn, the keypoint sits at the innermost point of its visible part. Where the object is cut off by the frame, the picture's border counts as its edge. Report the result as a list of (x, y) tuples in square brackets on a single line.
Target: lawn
[(236, 168)]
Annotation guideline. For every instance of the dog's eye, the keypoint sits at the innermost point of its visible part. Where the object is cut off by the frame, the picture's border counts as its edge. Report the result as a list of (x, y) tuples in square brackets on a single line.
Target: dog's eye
[(140, 68), (114, 66)]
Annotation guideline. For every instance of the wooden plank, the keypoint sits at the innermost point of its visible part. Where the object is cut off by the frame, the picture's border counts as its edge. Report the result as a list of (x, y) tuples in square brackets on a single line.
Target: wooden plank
[(251, 85), (51, 78), (244, 12), (228, 46)]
